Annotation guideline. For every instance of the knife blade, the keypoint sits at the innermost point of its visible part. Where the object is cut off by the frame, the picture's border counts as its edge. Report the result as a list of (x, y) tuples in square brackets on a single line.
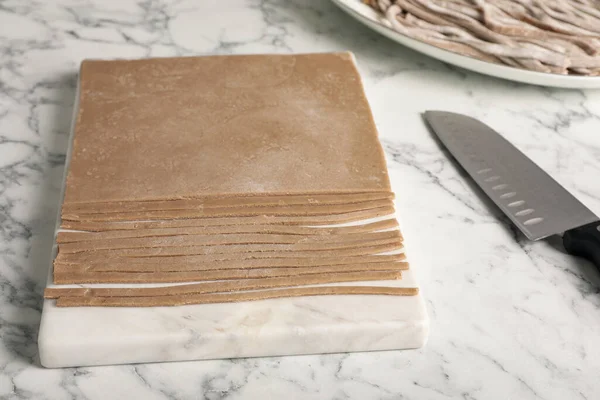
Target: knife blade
[(537, 204)]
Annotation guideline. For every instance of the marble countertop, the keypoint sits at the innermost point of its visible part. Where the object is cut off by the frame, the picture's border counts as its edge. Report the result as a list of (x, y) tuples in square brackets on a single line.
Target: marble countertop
[(509, 318)]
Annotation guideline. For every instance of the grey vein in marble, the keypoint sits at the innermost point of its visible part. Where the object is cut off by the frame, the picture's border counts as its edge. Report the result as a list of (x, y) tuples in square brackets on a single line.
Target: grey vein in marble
[(510, 318)]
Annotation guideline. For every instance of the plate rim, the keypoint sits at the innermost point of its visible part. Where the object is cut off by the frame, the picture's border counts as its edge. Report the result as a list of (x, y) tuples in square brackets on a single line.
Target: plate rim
[(361, 11)]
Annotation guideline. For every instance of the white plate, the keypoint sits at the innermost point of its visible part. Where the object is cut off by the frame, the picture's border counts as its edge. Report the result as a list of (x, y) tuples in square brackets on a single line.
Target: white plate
[(373, 20)]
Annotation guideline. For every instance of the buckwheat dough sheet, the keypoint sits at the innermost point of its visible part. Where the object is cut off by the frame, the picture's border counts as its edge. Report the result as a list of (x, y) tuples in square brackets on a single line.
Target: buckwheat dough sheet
[(178, 300), (91, 257), (229, 221), (169, 265), (357, 266), (159, 129), (233, 239), (294, 210), (74, 237), (70, 277), (235, 248), (226, 286), (219, 202)]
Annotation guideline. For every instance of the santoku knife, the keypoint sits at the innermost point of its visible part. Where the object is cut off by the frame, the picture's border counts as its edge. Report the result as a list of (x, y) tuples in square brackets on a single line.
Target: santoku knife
[(537, 204)]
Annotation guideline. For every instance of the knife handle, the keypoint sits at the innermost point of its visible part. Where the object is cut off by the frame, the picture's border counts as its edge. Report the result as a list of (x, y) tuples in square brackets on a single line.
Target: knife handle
[(584, 242)]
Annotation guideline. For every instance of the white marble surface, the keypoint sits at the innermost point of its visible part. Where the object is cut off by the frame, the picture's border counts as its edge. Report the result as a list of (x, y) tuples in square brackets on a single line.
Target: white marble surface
[(510, 318)]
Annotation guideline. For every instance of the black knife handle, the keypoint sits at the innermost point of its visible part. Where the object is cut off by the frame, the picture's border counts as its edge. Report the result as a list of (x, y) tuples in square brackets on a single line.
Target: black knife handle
[(584, 242)]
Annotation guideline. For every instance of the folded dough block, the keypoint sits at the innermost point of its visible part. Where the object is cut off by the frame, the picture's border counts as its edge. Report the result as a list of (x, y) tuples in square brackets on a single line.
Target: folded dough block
[(101, 226), (168, 128), (219, 202)]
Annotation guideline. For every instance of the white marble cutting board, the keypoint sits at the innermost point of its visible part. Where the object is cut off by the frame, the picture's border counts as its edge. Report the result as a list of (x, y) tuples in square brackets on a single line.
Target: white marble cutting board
[(305, 325), (86, 336)]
